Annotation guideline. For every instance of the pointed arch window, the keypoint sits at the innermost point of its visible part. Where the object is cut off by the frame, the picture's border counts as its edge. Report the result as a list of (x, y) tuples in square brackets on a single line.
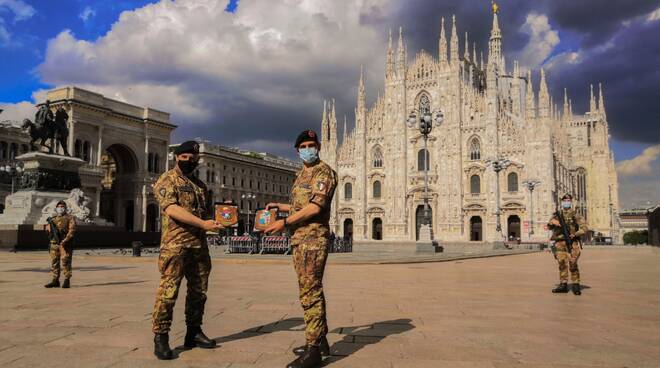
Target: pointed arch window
[(423, 160), (512, 182), (475, 149), (377, 189), (475, 184), (348, 191), (377, 157)]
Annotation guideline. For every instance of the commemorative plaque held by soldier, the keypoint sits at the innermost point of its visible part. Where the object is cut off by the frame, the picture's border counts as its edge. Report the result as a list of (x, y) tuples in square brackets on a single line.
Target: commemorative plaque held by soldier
[(186, 217), (308, 223), (263, 219), (61, 229), (226, 214), (567, 227)]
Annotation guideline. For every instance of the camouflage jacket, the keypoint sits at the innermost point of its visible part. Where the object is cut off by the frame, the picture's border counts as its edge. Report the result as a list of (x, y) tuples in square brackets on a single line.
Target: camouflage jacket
[(315, 184), (66, 228), (576, 225), (189, 193)]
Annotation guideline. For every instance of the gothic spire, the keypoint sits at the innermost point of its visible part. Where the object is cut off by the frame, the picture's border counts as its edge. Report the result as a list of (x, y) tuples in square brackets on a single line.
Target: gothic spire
[(345, 137), (466, 53), (390, 58), (442, 47), (453, 41), (495, 44), (362, 97), (332, 137), (566, 113), (324, 122), (401, 56), (544, 97), (601, 100), (474, 53), (592, 101), (529, 97)]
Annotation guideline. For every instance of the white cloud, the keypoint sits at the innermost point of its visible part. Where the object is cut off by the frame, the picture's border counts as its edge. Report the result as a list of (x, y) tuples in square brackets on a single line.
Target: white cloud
[(653, 16), (642, 165), (86, 14), (5, 37), (542, 41), (19, 8)]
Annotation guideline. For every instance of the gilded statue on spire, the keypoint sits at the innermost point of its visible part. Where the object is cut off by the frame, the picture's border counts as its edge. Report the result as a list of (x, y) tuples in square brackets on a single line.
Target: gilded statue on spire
[(495, 7)]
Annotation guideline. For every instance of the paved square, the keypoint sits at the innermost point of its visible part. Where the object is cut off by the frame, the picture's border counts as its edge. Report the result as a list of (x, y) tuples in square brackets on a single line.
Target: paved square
[(491, 312)]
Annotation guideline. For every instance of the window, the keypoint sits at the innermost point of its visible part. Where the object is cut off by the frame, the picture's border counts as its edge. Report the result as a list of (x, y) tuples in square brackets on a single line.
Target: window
[(77, 149), (3, 150), (13, 151), (24, 148), (242, 183), (208, 176), (423, 160), (376, 189), (224, 180), (348, 191), (475, 149), (86, 153), (377, 156), (233, 182), (475, 184), (512, 182), (156, 163), (250, 184)]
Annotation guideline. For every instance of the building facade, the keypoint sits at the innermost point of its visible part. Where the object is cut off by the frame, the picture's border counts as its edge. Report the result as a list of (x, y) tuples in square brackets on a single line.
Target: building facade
[(249, 179), (490, 111), (634, 220)]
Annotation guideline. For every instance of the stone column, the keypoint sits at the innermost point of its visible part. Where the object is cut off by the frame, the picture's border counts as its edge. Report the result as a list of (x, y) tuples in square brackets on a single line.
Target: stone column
[(98, 202), (72, 136), (99, 150)]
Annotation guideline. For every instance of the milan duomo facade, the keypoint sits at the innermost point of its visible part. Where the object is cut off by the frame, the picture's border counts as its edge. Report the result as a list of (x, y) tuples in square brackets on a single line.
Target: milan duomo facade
[(489, 111)]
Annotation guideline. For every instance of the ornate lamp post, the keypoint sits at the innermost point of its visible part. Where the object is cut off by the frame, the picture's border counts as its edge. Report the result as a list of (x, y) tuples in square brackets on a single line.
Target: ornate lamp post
[(249, 197), (531, 184), (498, 164), (14, 171), (424, 123)]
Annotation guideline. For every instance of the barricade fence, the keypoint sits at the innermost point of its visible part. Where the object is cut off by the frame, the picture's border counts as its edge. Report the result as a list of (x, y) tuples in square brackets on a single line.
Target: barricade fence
[(272, 244)]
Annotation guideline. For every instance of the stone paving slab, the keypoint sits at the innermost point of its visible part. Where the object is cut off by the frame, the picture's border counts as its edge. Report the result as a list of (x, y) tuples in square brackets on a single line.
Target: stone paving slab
[(484, 313)]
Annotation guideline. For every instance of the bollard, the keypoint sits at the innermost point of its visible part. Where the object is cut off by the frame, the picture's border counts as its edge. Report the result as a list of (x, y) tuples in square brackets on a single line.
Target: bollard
[(137, 248)]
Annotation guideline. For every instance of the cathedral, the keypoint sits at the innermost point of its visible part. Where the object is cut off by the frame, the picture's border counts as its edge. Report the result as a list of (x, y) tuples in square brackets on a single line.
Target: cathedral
[(491, 112)]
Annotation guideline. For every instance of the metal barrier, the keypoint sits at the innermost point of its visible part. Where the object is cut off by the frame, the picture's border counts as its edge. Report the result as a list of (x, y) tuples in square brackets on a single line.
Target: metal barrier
[(242, 244), (275, 244), (340, 245)]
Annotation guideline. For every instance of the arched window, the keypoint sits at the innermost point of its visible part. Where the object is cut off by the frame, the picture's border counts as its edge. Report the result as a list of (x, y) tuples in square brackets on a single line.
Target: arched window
[(150, 162), (156, 163), (376, 189), (348, 191), (512, 182), (475, 184), (423, 160), (13, 151), (208, 176), (87, 150), (475, 149), (3, 150), (77, 152), (377, 157), (424, 104)]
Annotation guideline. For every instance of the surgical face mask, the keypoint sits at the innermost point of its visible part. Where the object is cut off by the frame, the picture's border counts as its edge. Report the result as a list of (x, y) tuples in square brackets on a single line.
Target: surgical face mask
[(187, 167), (309, 155), (60, 210), (566, 204)]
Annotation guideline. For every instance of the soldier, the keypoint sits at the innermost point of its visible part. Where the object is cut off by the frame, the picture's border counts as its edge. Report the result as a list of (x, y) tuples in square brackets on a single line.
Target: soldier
[(577, 227), (308, 222), (186, 207), (61, 229)]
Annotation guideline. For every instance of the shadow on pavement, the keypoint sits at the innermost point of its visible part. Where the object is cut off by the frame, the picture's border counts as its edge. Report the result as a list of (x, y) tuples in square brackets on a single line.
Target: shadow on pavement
[(82, 269), (357, 337), (111, 283)]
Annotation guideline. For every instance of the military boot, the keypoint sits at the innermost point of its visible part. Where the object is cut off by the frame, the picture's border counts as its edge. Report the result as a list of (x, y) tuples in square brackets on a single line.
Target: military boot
[(323, 347), (311, 358), (196, 338), (576, 289), (562, 288), (52, 284), (162, 347), (66, 284)]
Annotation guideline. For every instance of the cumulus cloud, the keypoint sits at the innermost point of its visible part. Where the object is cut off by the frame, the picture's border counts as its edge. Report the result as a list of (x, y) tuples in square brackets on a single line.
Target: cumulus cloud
[(653, 16), (542, 40), (642, 165), (87, 14), (19, 8), (235, 71)]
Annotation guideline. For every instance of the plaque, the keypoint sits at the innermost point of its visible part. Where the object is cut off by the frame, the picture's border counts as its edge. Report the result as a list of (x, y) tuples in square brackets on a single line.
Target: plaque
[(264, 218), (226, 215)]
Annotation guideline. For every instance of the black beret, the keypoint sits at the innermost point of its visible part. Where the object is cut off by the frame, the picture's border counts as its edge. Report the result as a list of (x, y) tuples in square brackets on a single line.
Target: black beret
[(307, 136), (567, 196), (187, 147), (61, 203)]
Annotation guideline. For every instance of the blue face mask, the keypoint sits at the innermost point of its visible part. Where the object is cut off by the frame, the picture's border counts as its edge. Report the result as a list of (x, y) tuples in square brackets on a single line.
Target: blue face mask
[(309, 155), (566, 205)]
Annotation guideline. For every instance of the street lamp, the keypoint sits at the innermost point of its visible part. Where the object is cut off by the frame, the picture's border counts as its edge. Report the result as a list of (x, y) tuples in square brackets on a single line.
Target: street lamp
[(14, 171), (425, 125), (249, 197), (498, 164), (531, 184)]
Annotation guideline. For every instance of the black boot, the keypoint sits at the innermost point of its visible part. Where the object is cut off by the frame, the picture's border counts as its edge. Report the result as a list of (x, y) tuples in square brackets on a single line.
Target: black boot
[(576, 289), (562, 288), (162, 347), (52, 284), (66, 284), (323, 347), (196, 338), (310, 359)]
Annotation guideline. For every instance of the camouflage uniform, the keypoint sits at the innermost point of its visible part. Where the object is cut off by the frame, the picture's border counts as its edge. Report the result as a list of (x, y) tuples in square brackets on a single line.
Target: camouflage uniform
[(577, 226), (183, 250), (62, 253), (309, 241)]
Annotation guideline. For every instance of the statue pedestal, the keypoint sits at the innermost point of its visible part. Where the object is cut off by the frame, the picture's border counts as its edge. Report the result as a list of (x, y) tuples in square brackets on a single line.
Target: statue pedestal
[(425, 244), (46, 179)]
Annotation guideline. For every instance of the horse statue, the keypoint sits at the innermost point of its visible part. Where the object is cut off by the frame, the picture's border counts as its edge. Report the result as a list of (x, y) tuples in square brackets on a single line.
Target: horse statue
[(48, 127), (61, 131), (36, 133)]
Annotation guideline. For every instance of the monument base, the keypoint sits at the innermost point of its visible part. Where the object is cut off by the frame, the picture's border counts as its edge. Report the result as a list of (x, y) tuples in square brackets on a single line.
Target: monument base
[(425, 244)]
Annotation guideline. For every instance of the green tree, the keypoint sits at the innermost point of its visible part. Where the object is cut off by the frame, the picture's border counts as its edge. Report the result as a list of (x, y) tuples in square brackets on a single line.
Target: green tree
[(636, 237)]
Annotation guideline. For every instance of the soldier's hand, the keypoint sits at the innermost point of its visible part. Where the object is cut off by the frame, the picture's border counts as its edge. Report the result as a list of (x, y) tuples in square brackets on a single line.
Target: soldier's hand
[(555, 222), (211, 225), (272, 205), (275, 227)]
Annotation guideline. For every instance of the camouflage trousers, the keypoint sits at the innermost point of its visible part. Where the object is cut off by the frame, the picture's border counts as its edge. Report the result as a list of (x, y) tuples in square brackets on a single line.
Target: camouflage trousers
[(309, 261), (174, 264), (568, 261), (60, 258)]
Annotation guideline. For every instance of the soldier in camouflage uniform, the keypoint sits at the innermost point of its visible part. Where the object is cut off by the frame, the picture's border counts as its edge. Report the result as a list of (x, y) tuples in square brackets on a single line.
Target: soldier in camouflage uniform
[(61, 245), (308, 222), (185, 202), (568, 261)]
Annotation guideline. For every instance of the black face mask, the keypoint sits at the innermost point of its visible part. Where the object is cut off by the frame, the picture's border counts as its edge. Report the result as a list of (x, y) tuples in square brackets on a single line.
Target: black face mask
[(187, 167)]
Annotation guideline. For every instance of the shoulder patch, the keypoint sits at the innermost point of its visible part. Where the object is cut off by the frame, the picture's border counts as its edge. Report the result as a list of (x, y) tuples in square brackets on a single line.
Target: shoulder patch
[(162, 191)]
